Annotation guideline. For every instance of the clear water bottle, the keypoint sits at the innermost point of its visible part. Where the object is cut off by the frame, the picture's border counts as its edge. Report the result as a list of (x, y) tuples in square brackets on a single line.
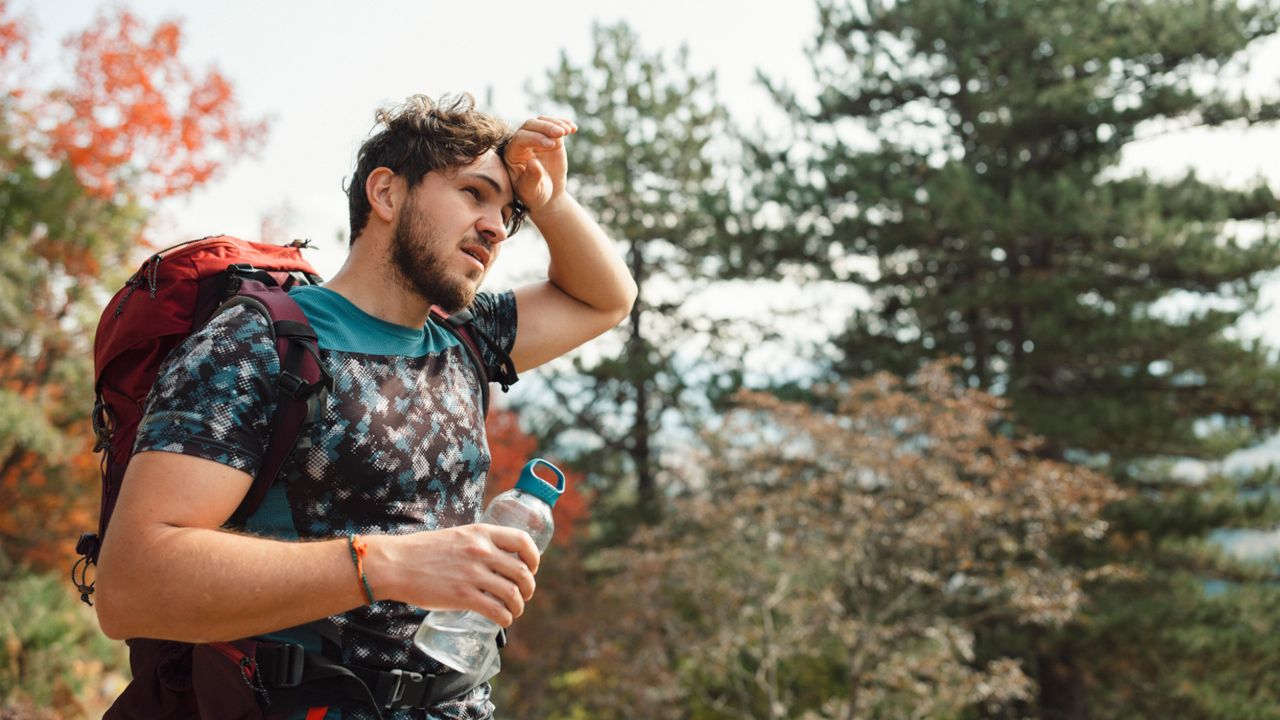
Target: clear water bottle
[(465, 640)]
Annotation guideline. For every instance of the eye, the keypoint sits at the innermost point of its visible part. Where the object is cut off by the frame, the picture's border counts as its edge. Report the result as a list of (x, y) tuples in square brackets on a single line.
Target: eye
[(472, 191)]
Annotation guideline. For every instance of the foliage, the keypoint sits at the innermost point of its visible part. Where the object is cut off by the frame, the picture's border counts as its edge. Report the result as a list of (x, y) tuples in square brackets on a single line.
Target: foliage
[(1214, 659), (52, 654), (76, 165), (137, 113), (968, 150), (961, 160), (837, 565)]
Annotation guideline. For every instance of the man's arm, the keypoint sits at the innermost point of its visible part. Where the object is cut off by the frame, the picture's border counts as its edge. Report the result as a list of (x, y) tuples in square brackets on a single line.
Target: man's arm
[(168, 572), (588, 288)]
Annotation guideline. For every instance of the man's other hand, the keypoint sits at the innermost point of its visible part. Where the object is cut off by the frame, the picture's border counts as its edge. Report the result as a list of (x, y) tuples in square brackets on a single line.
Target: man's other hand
[(486, 568)]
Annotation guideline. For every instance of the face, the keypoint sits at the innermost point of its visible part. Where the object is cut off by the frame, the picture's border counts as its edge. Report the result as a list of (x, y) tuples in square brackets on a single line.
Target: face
[(450, 228)]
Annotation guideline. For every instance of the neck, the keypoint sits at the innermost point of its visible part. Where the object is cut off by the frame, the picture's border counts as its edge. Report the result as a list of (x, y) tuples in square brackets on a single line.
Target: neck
[(370, 282)]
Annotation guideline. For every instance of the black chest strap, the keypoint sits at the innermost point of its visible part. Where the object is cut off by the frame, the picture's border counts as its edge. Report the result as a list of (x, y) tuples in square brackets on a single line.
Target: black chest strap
[(294, 677)]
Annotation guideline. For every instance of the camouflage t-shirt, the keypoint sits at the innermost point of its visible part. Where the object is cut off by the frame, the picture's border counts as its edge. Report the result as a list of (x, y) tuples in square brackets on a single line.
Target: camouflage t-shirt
[(400, 446)]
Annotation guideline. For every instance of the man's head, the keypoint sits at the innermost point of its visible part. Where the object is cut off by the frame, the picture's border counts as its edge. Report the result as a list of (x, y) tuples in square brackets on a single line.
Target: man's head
[(421, 136)]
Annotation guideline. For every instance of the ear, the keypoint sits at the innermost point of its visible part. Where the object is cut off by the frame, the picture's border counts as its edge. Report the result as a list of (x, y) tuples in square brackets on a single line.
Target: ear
[(385, 191)]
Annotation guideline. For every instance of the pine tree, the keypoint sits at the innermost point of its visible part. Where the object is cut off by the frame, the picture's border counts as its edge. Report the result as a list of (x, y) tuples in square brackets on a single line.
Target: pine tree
[(642, 161), (961, 163)]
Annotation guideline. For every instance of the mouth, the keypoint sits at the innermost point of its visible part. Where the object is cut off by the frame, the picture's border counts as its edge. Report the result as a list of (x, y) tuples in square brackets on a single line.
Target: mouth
[(478, 253)]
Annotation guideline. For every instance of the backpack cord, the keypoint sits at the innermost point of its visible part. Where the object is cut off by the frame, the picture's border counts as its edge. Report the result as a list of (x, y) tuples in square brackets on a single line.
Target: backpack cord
[(506, 367), (463, 323)]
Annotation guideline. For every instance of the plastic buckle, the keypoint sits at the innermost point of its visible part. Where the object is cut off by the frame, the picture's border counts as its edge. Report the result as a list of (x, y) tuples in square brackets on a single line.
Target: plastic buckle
[(244, 271), (393, 686), (88, 544), (293, 385), (288, 667)]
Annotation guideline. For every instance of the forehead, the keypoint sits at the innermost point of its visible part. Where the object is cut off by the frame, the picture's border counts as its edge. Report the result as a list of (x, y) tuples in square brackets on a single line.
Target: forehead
[(488, 166)]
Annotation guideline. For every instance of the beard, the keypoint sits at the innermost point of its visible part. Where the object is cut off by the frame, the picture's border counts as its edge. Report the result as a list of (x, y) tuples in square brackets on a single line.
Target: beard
[(418, 257)]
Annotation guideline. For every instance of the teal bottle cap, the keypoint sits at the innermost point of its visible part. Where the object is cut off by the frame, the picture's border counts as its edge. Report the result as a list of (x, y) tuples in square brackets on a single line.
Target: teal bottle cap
[(538, 487)]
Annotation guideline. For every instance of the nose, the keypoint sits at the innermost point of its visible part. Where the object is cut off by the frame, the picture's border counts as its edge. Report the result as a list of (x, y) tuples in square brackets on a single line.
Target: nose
[(491, 227)]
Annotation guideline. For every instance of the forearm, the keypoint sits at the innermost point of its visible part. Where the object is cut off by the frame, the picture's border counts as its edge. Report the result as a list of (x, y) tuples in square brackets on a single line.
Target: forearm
[(584, 262), (201, 585)]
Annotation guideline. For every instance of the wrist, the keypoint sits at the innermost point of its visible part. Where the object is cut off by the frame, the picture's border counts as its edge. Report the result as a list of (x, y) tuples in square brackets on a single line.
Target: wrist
[(377, 563), (553, 207)]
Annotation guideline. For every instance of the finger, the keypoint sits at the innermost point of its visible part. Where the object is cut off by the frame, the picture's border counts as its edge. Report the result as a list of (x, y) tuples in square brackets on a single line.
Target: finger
[(513, 596), (518, 542), (510, 594), (523, 145), (565, 123), (546, 126), (510, 565), (491, 607), (527, 176), (517, 573)]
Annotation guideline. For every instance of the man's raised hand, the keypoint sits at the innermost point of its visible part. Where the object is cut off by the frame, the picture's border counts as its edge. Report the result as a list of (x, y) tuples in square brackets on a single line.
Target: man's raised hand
[(535, 158)]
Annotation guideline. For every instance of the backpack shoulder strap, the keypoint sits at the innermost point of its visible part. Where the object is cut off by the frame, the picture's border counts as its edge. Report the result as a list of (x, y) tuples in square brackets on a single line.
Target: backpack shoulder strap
[(301, 386), (463, 326)]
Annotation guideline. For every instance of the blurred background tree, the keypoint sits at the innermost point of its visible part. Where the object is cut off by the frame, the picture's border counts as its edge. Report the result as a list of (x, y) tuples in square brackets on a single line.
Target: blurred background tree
[(80, 165), (841, 564), (644, 160), (960, 161)]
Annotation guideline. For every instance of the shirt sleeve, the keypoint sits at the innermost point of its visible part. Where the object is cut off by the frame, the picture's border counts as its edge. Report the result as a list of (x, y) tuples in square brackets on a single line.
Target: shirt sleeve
[(215, 395), (495, 316)]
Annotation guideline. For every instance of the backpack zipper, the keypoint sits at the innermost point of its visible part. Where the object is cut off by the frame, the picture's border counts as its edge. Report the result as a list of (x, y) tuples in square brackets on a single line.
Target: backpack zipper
[(248, 667)]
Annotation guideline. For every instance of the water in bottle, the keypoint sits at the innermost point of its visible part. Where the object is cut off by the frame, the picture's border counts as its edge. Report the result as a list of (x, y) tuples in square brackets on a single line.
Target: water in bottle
[(465, 640)]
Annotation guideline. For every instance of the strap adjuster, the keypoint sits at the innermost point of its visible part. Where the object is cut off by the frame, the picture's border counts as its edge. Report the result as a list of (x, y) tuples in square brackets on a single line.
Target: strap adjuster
[(401, 688), (280, 664), (294, 386), (289, 670)]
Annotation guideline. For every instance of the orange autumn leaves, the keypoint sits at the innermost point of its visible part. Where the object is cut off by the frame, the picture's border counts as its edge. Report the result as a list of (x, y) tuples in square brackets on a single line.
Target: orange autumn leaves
[(511, 448), (13, 37), (136, 118), (136, 105)]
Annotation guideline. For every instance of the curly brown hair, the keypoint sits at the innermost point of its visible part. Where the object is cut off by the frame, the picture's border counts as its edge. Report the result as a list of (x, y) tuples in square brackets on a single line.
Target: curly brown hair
[(421, 135)]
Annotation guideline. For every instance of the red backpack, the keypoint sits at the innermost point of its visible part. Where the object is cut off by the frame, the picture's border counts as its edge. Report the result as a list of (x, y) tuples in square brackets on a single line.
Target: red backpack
[(176, 292)]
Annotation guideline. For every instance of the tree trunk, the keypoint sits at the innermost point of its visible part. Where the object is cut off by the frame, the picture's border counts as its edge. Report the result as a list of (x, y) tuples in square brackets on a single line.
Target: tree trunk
[(641, 431), (1062, 693)]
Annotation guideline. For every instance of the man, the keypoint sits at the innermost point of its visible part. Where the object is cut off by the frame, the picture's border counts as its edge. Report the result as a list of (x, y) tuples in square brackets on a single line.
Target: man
[(399, 455)]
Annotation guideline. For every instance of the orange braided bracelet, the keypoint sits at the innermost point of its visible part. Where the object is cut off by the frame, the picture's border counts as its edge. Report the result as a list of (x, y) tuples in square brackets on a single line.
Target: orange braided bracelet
[(359, 548)]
